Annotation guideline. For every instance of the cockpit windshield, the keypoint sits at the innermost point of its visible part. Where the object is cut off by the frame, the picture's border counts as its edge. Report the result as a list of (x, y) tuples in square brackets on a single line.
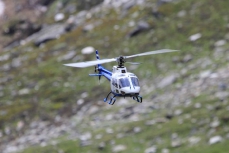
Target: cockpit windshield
[(124, 82), (134, 81)]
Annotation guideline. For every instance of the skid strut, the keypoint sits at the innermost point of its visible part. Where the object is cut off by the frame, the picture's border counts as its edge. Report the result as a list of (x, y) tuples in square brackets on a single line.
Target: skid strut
[(112, 99)]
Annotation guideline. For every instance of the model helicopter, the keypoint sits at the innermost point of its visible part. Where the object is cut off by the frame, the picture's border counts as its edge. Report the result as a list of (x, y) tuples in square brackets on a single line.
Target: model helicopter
[(122, 83)]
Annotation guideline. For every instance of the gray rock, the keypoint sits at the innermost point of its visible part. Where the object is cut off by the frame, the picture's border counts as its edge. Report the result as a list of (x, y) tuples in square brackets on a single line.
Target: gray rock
[(194, 140), (220, 43), (120, 135), (86, 136), (197, 105), (215, 124), (187, 58), (2, 8), (178, 112), (6, 67), (129, 4), (71, 8), (118, 148), (20, 125), (60, 151), (176, 143), (87, 50), (174, 136), (23, 91), (161, 120), (215, 139), (227, 136), (80, 101), (7, 130), (98, 136), (10, 149), (165, 150), (182, 13), (47, 33), (195, 37), (101, 146), (137, 129), (222, 86), (205, 74), (150, 122), (109, 117), (222, 95), (67, 56), (4, 57), (88, 27), (109, 130), (16, 62), (141, 26), (167, 81), (59, 17), (76, 20), (93, 110), (85, 143), (218, 50), (151, 150), (1, 134), (161, 2)]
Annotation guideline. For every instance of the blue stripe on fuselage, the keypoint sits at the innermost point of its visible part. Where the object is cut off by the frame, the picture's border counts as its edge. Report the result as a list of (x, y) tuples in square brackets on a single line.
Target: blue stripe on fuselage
[(106, 73)]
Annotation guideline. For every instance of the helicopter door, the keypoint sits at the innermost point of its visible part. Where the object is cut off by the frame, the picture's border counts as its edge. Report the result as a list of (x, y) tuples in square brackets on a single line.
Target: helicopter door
[(114, 85)]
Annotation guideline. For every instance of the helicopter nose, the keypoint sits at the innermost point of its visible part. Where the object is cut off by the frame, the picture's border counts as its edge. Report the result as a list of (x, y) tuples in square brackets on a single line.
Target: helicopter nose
[(132, 90)]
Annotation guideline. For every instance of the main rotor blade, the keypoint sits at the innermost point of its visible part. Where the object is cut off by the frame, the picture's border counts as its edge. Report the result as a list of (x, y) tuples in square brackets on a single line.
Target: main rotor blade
[(90, 63), (152, 52), (133, 63)]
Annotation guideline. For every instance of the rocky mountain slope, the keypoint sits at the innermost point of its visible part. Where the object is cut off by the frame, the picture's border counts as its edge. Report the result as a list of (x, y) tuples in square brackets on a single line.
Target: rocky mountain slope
[(47, 107)]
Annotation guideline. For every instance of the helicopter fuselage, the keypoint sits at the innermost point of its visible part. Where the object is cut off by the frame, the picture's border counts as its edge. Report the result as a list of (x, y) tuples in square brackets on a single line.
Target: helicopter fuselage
[(123, 82)]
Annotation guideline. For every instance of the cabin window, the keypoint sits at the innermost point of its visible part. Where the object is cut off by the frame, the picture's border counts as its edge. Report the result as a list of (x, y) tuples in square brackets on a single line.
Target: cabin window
[(124, 82), (134, 81), (114, 83), (123, 71)]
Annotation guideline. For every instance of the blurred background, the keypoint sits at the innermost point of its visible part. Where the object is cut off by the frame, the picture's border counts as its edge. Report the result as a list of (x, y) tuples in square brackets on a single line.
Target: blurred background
[(46, 107)]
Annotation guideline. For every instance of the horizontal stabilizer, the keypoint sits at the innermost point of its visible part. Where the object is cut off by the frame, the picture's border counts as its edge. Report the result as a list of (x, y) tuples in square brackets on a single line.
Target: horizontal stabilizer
[(95, 74)]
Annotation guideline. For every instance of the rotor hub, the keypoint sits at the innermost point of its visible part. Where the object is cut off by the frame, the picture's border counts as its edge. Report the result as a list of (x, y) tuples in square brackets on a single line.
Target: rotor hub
[(121, 60)]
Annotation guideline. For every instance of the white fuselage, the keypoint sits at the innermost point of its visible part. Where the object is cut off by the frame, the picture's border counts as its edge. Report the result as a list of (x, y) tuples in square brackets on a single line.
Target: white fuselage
[(123, 82)]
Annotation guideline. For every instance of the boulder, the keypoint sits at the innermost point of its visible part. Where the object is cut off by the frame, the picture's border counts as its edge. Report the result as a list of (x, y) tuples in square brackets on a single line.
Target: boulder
[(215, 139), (118, 148), (140, 27), (220, 43), (59, 17), (2, 8), (87, 50), (151, 150), (195, 37), (47, 33), (167, 81)]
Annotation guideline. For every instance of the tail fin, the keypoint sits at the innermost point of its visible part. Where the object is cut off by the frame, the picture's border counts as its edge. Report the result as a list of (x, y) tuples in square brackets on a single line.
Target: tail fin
[(97, 54), (97, 57)]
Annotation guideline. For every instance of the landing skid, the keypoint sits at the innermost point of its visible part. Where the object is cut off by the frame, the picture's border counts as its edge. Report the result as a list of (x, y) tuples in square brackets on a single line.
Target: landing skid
[(138, 99), (113, 99)]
